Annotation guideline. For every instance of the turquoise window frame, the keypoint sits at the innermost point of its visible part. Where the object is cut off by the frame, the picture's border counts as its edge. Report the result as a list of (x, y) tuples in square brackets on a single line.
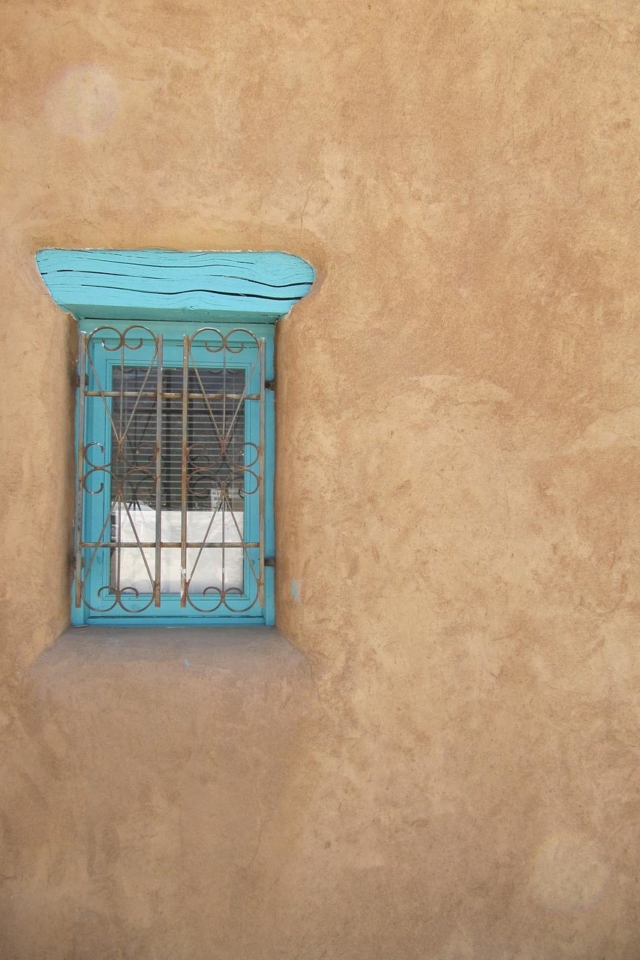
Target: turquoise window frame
[(174, 294), (97, 429)]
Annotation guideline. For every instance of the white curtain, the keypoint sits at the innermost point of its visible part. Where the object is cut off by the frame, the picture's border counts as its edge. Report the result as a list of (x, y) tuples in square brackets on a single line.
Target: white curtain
[(208, 569)]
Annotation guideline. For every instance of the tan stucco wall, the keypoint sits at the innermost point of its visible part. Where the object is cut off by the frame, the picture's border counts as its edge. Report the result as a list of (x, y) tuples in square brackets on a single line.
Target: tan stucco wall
[(448, 767)]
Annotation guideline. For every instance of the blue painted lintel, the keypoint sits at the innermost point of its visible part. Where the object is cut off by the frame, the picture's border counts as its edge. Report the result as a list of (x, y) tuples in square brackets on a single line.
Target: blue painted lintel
[(173, 285)]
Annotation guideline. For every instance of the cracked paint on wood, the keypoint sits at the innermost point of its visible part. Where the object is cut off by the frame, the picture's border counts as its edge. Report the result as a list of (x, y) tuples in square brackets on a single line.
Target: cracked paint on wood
[(174, 285)]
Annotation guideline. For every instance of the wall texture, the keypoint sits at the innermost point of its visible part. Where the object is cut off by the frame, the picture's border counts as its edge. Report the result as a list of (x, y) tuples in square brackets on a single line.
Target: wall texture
[(447, 767)]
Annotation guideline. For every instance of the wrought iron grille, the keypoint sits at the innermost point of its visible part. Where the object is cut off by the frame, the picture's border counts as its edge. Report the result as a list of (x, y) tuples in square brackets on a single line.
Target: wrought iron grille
[(170, 471)]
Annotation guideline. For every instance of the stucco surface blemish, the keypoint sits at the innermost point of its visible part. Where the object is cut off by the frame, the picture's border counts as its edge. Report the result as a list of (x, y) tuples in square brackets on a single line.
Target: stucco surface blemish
[(568, 873), (445, 764), (83, 103)]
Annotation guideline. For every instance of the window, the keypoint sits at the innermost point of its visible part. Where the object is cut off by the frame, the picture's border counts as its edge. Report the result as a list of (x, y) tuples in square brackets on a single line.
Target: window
[(174, 474), (175, 435)]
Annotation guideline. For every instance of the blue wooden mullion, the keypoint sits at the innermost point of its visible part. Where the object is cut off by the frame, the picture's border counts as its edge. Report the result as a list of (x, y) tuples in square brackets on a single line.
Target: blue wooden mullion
[(269, 478)]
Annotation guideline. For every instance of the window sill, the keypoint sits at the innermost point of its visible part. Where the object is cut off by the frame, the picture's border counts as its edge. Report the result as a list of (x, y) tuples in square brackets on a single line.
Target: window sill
[(155, 729), (221, 655)]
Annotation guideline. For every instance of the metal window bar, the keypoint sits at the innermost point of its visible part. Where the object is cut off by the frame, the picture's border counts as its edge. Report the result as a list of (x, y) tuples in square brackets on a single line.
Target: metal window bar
[(140, 411)]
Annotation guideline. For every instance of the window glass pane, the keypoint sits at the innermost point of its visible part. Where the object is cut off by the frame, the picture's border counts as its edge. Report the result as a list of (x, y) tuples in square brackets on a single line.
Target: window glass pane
[(214, 475)]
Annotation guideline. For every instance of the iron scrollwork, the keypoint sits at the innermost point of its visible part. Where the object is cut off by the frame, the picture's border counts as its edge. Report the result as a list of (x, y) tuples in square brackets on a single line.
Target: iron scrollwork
[(156, 420)]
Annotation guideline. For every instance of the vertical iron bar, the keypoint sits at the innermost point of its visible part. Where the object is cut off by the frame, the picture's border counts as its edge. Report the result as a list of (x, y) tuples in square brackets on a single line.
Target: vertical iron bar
[(261, 449), (223, 493), (82, 363), (223, 451), (225, 340), (158, 571), (183, 486), (119, 457)]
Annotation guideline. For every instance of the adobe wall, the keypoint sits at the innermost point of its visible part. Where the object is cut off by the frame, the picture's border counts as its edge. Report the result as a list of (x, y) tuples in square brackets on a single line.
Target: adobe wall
[(445, 768)]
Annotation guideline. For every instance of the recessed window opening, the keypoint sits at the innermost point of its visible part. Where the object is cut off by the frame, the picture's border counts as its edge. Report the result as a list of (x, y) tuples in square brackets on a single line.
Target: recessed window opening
[(175, 431)]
